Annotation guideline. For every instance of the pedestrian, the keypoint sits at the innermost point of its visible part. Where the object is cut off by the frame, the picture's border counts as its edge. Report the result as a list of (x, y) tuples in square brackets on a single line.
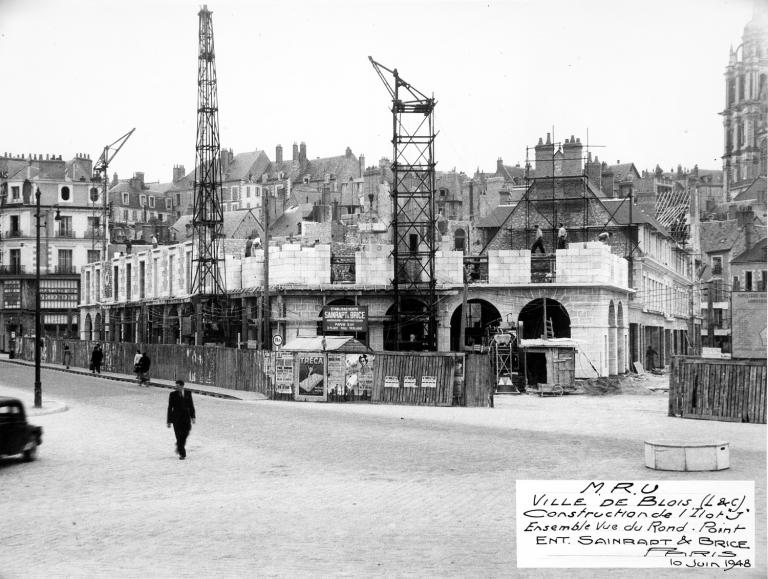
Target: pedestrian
[(562, 235), (248, 245), (136, 365), (96, 356), (181, 413), (604, 237), (67, 356), (650, 354), (539, 242), (144, 364), (154, 241)]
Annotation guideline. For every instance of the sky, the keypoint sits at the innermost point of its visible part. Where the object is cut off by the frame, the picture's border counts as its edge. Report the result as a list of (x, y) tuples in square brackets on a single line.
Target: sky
[(638, 80)]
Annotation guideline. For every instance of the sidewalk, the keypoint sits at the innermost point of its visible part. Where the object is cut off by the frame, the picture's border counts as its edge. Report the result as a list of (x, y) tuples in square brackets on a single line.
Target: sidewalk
[(203, 389)]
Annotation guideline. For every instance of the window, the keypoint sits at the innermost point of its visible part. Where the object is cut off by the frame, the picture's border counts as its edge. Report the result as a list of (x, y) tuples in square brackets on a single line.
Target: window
[(93, 226), (169, 204), (188, 273), (59, 293), (115, 274), (151, 201), (248, 191), (64, 194), (97, 289), (155, 276), (15, 193), (133, 215), (94, 255), (717, 265), (15, 230), (128, 271), (736, 283), (748, 281), (142, 275), (126, 198), (12, 292), (178, 199), (65, 226), (142, 200), (87, 287), (65, 261)]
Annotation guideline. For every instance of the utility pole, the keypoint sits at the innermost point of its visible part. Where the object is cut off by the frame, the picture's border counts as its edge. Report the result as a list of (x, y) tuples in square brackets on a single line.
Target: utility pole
[(710, 315), (267, 334), (38, 328), (463, 322)]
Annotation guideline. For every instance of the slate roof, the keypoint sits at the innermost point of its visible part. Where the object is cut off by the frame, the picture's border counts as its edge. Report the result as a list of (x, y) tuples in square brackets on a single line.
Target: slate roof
[(495, 219), (719, 235), (341, 167), (511, 173), (624, 171), (758, 254), (753, 192), (285, 225), (232, 220), (621, 215)]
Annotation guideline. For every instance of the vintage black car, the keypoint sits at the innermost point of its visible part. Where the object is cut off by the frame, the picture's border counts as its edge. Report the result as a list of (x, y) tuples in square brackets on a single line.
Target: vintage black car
[(17, 436)]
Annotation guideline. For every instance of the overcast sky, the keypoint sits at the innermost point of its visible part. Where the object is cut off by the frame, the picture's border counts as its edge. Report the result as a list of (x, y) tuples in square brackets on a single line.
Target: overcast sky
[(644, 77)]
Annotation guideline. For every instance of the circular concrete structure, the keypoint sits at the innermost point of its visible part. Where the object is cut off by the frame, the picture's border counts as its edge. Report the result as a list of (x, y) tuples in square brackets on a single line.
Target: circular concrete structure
[(684, 455)]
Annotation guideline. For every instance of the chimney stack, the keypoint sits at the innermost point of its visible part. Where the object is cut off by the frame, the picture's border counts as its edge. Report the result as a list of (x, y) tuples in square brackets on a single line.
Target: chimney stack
[(303, 151), (279, 154), (544, 155), (572, 151), (608, 181), (295, 152), (178, 172)]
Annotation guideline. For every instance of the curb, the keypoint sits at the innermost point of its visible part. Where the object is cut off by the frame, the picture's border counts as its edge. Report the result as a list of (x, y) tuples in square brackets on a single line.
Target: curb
[(121, 379), (57, 407)]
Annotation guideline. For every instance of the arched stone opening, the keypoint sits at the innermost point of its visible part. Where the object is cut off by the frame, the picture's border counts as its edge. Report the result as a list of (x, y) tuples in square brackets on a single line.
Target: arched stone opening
[(533, 314), (88, 328), (361, 336), (611, 354), (410, 335), (98, 331), (482, 319), (174, 327), (622, 339)]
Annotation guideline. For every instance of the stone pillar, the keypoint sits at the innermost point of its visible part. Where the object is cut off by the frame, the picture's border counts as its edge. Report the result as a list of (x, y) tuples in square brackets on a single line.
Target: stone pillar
[(612, 364), (166, 309), (243, 322), (621, 355)]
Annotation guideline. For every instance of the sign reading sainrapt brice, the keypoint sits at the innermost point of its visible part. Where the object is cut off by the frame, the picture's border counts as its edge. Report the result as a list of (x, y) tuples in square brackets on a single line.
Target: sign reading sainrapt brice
[(345, 318)]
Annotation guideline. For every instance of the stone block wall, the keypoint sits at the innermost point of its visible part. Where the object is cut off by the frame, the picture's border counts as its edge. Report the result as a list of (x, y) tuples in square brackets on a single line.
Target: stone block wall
[(374, 265), (590, 262), (449, 267), (292, 264), (507, 266)]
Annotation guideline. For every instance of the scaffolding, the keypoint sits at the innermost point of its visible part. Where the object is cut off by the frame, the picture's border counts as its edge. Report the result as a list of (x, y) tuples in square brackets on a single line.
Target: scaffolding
[(414, 225)]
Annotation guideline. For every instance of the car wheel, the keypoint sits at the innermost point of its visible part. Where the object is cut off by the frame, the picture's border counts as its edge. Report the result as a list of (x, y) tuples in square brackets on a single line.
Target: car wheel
[(30, 452)]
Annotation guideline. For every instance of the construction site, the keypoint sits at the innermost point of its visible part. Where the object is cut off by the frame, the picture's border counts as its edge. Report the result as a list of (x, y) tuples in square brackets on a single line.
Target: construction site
[(421, 266)]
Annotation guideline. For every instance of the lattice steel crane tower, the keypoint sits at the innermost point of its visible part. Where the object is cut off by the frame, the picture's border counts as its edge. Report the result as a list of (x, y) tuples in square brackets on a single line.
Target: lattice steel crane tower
[(414, 220), (208, 285)]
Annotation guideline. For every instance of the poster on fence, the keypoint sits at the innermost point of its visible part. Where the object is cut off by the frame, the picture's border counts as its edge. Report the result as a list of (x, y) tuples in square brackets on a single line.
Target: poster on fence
[(359, 370), (284, 372), (311, 376), (336, 374)]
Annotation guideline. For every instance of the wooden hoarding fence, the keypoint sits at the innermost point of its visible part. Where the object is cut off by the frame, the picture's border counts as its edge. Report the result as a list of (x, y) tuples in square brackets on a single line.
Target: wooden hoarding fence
[(712, 389), (408, 378)]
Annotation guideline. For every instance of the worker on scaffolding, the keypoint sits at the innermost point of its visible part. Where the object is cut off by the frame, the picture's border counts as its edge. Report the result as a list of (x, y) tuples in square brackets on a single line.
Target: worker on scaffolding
[(539, 240), (562, 235)]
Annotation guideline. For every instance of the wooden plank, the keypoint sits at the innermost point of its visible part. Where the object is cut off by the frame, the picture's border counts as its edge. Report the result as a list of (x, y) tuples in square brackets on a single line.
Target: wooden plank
[(718, 418)]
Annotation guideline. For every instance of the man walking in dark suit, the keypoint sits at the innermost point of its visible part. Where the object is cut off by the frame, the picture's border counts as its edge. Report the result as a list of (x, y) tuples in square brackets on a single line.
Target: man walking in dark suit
[(181, 413)]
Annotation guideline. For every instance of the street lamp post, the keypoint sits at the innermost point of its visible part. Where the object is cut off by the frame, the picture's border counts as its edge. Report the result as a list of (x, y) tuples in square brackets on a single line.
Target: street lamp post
[(38, 339)]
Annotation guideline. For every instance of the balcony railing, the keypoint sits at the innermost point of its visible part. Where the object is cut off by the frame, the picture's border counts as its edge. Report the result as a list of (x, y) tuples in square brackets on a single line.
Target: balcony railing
[(13, 269), (14, 233), (65, 233), (67, 268)]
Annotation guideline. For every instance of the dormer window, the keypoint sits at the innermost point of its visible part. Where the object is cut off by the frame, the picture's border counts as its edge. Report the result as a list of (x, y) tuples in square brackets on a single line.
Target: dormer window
[(126, 199), (142, 200), (151, 201)]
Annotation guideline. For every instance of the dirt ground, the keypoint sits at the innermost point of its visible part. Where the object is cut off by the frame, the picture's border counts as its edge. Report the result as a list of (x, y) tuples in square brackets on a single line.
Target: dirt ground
[(635, 384)]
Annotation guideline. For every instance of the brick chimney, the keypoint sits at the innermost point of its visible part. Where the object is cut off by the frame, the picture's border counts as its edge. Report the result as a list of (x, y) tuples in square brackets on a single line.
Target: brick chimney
[(594, 171), (544, 155), (608, 178), (303, 152), (499, 166), (178, 172), (348, 153), (361, 162), (295, 152), (279, 154), (572, 151), (226, 160), (745, 218)]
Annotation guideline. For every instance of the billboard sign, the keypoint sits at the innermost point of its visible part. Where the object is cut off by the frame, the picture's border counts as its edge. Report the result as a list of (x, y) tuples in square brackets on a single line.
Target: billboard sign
[(749, 324), (346, 319)]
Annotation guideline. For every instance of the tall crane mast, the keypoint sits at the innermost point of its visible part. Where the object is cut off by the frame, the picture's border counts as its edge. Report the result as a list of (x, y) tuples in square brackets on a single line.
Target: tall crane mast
[(414, 223), (100, 174), (208, 287)]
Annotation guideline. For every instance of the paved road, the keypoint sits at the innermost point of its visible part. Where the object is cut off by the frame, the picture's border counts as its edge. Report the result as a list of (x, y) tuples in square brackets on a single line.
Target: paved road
[(279, 488)]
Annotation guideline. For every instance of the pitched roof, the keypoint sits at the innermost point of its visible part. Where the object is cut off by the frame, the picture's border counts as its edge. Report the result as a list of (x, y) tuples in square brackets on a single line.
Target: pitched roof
[(341, 167), (495, 219), (754, 190), (245, 166), (718, 235), (758, 253), (232, 221), (620, 210), (285, 225), (624, 171)]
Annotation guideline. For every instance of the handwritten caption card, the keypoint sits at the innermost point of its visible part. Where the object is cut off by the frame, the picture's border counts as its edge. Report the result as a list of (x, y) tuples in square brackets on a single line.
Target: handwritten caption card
[(685, 524)]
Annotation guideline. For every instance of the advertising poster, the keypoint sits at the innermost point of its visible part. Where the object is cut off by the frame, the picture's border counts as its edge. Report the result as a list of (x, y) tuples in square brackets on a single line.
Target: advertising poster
[(311, 376), (359, 371), (283, 372), (336, 374)]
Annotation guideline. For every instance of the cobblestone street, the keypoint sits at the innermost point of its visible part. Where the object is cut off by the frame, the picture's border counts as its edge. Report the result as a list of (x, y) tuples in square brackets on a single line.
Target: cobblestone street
[(279, 488)]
